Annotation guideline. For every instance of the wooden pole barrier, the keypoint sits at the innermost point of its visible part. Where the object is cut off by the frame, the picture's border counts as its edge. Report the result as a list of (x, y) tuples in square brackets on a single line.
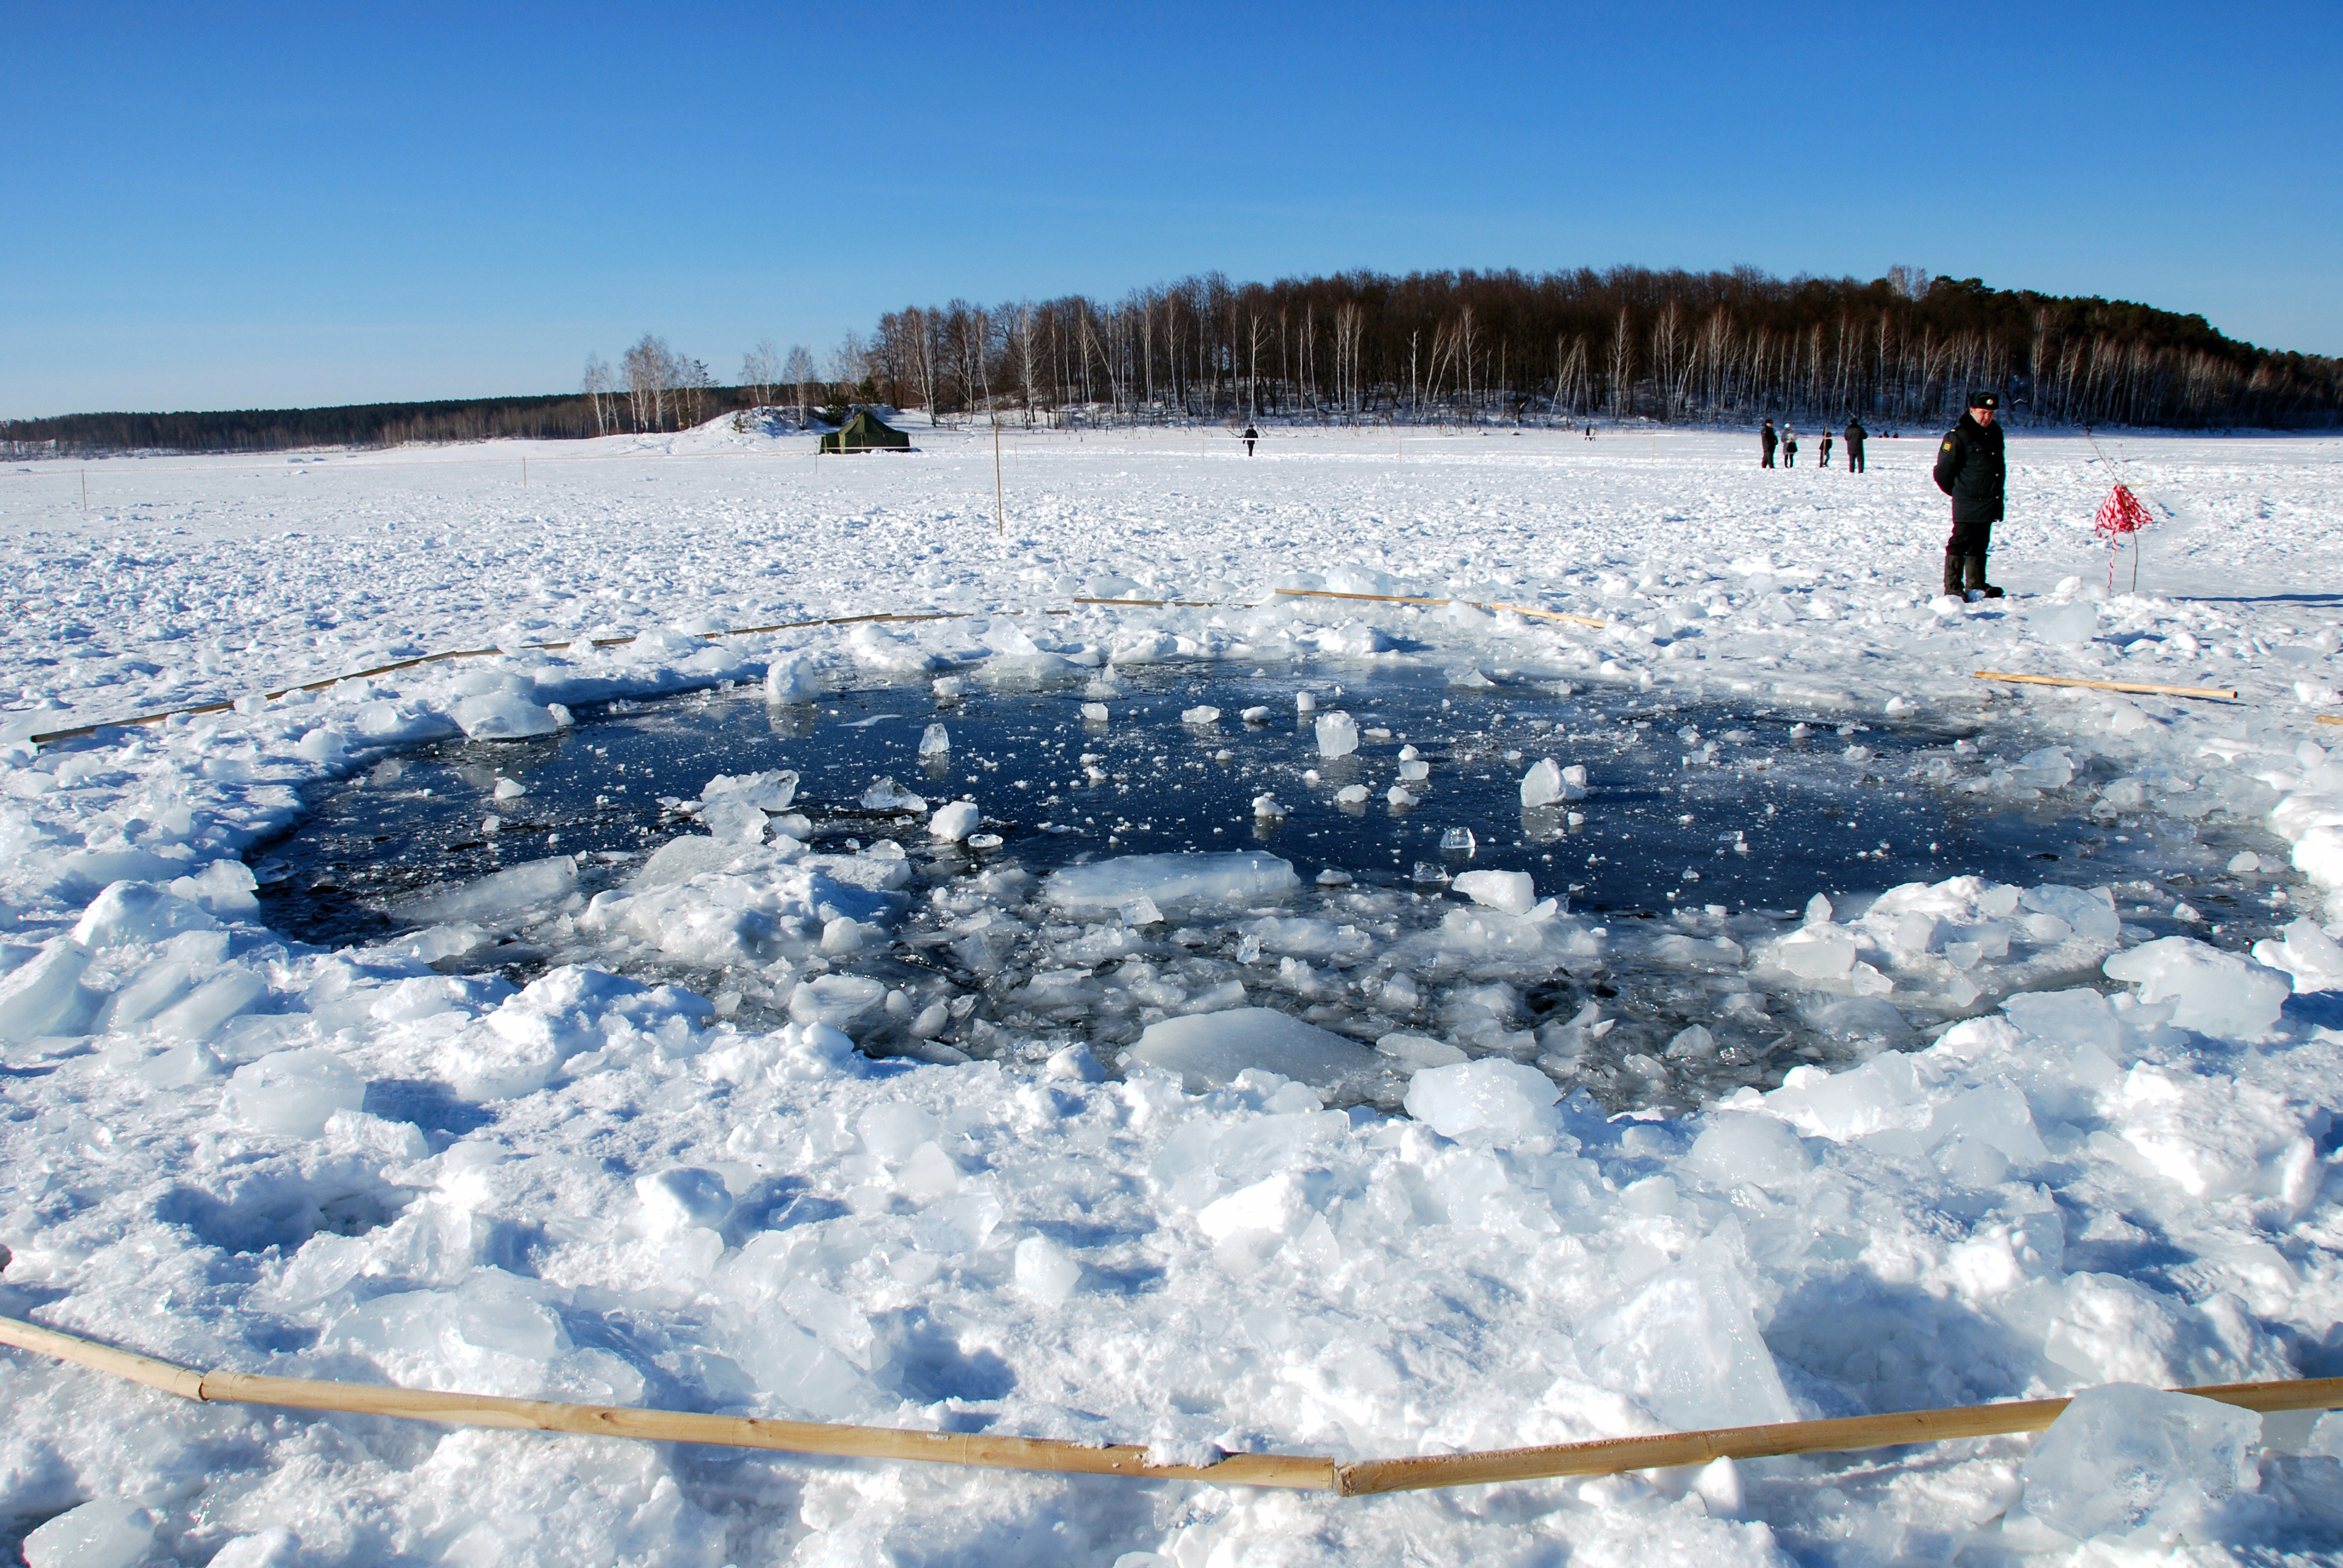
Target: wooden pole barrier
[(1413, 598), (2222, 693), (1308, 1472), (1668, 1450), (1032, 1453)]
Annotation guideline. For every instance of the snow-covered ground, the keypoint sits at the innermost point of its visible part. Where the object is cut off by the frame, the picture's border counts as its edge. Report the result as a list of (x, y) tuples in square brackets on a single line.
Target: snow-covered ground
[(2126, 1173)]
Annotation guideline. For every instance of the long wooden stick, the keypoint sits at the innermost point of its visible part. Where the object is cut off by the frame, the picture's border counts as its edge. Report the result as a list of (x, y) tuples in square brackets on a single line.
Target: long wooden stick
[(1295, 1472), (1033, 1454), (2223, 693), (1415, 598), (200, 708)]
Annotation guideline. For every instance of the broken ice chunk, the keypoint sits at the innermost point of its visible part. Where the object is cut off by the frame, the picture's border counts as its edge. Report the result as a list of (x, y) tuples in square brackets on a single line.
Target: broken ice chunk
[(1141, 911), (293, 1092), (1209, 1050), (510, 790), (1542, 785), (2220, 994), (1256, 716), (1457, 841), (2123, 1459), (1410, 773), (768, 792), (1201, 714), (1490, 1100), (1400, 798), (1418, 1052), (1303, 702), (1094, 712), (1355, 794), (2308, 954), (935, 742), (1243, 876), (1044, 1273), (684, 1196), (953, 822), (886, 795), (734, 821), (1511, 891), (1338, 735), (1266, 808)]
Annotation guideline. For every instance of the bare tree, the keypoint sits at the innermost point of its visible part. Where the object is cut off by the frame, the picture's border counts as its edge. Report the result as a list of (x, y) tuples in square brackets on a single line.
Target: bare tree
[(760, 370), (648, 368), (797, 371), (597, 388)]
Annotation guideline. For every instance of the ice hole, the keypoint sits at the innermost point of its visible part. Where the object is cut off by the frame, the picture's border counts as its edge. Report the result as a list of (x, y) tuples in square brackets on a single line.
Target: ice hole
[(1659, 900)]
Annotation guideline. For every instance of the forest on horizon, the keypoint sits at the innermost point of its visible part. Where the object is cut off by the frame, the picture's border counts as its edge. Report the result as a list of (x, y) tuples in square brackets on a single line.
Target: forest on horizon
[(1466, 347)]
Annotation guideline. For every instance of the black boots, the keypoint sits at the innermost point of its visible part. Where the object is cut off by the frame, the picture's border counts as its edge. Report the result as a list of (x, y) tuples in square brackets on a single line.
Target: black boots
[(1964, 575)]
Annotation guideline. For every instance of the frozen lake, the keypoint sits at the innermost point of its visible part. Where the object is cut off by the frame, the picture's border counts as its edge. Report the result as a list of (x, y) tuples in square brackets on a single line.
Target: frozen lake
[(697, 1082)]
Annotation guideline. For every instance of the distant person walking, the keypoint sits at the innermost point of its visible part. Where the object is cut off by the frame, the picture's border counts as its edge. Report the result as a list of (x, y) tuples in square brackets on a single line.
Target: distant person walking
[(1789, 448), (1854, 434), (1250, 435), (1766, 442), (1971, 469), (1822, 458)]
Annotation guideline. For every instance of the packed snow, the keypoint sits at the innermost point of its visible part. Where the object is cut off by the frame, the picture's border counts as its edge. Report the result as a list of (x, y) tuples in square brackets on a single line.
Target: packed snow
[(1216, 1148)]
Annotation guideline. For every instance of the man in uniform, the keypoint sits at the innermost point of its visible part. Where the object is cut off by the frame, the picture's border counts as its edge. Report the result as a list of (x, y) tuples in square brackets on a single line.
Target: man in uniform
[(1970, 469), (1854, 434), (1765, 441)]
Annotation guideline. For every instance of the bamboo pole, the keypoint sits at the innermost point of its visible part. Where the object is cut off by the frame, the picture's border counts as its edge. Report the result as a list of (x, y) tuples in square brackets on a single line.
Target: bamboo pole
[(1414, 599), (1294, 1471), (2223, 693)]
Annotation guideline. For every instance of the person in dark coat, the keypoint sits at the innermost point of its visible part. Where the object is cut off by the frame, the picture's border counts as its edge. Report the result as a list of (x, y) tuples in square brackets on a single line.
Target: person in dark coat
[(1250, 435), (1971, 469), (1822, 458), (1854, 434), (1767, 441)]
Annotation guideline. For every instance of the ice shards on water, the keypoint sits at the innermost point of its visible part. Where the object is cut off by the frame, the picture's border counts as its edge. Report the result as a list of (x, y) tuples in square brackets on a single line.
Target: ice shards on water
[(1511, 891), (1548, 781), (2125, 1458), (1338, 735), (1104, 886), (886, 795), (768, 792), (504, 716), (935, 742), (505, 892), (1209, 1048), (954, 821)]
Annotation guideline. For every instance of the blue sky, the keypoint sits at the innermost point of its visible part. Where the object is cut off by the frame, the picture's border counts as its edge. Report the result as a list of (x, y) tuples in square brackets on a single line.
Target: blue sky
[(219, 206)]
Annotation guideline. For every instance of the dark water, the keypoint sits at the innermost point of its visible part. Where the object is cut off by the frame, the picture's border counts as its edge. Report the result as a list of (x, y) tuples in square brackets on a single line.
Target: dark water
[(1776, 812)]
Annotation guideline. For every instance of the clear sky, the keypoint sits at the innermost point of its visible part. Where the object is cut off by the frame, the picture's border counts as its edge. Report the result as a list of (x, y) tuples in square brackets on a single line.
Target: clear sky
[(216, 206)]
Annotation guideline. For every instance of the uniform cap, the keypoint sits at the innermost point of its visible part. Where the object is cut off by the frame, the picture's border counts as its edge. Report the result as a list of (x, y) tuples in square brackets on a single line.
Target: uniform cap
[(1984, 400)]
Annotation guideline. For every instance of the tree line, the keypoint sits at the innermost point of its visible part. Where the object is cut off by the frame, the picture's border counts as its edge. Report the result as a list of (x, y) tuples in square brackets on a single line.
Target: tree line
[(1628, 343), (1467, 347)]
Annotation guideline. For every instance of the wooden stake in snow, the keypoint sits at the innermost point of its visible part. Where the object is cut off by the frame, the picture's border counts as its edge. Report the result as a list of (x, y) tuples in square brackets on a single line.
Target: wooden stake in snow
[(2223, 693), (1307, 1472), (1000, 506)]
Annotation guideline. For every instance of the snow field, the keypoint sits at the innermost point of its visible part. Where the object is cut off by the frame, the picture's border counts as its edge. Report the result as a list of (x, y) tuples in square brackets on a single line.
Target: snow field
[(227, 1150)]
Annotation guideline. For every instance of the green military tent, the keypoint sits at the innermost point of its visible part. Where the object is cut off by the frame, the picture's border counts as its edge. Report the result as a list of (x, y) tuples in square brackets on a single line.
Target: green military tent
[(865, 433)]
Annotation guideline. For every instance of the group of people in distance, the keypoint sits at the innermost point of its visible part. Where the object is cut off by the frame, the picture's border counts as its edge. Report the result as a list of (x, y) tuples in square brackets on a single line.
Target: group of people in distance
[(1970, 468), (1786, 441)]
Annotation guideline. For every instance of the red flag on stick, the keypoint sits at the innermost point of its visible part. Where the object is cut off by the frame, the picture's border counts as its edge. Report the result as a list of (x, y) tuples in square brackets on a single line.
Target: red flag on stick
[(2121, 516)]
